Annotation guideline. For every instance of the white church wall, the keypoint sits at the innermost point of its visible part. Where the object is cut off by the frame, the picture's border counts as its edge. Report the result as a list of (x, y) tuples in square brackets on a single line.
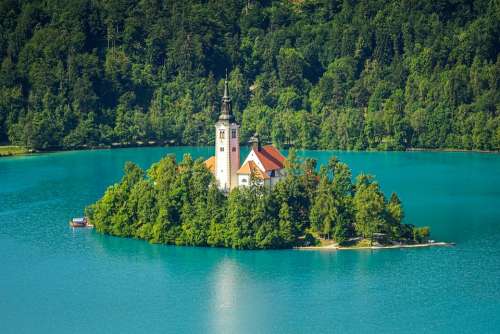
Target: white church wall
[(243, 180), (227, 155), (253, 157), (222, 156)]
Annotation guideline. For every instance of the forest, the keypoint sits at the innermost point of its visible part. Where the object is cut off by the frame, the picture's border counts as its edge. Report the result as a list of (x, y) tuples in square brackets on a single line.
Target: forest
[(312, 74), (180, 203)]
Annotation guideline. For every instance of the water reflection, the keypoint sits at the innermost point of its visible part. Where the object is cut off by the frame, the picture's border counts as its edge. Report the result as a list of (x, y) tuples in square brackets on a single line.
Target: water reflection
[(225, 295)]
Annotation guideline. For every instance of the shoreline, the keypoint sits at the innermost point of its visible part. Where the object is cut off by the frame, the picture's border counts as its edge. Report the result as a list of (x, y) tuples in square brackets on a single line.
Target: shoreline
[(13, 150), (334, 247), (416, 149), (114, 146), (20, 151)]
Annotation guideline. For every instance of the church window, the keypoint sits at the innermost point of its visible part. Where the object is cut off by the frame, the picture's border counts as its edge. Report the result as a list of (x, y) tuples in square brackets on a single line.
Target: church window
[(222, 149), (221, 134), (234, 149), (233, 133)]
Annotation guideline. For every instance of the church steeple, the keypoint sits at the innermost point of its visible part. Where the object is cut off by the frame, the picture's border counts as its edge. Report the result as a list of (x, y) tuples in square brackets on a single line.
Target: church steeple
[(226, 113), (226, 90), (227, 145)]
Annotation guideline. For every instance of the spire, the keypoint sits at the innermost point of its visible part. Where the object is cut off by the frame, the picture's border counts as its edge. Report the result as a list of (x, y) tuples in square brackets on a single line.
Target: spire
[(226, 89), (225, 113)]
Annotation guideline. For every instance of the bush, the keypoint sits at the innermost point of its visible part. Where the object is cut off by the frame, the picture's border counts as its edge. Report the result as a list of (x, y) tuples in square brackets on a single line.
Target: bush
[(421, 234)]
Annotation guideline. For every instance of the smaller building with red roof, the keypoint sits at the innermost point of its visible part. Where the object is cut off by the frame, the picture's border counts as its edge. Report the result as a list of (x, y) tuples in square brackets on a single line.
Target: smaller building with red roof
[(263, 165)]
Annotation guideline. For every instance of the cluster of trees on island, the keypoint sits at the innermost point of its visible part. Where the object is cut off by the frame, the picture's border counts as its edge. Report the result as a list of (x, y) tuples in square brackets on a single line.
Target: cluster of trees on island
[(179, 203), (325, 74)]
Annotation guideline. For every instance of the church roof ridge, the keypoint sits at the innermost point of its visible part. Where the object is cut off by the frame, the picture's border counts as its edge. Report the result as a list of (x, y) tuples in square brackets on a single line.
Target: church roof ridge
[(270, 157)]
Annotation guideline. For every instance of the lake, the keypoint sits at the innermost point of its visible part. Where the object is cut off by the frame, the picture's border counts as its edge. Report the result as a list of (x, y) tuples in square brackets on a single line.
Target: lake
[(57, 280)]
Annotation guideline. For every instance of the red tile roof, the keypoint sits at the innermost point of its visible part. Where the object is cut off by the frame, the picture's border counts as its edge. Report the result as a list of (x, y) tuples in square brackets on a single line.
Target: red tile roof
[(270, 157), (251, 167)]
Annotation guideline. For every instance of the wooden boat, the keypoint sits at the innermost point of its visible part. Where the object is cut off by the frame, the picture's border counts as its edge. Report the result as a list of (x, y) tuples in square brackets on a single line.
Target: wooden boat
[(80, 222)]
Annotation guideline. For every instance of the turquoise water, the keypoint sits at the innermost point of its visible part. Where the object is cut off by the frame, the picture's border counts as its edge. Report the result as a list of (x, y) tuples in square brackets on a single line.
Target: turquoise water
[(56, 280)]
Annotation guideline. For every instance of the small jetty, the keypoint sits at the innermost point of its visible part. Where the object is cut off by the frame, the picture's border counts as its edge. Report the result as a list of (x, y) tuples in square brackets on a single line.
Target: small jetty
[(80, 222)]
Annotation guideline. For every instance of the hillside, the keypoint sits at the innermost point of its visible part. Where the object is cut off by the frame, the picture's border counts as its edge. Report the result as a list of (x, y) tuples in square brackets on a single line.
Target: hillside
[(313, 73)]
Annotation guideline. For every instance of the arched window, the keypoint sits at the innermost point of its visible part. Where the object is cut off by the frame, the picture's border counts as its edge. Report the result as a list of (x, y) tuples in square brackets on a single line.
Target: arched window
[(221, 134), (233, 133)]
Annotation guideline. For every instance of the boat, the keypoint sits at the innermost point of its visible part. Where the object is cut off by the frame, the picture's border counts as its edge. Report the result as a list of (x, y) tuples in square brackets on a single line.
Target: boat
[(80, 222)]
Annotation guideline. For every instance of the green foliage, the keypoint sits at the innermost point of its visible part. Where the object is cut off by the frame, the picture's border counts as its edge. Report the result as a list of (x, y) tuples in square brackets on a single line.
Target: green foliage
[(179, 203), (12, 150), (369, 204), (421, 234), (385, 75)]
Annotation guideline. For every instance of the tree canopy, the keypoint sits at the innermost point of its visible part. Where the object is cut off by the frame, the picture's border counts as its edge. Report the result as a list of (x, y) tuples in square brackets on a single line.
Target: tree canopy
[(312, 73), (179, 203)]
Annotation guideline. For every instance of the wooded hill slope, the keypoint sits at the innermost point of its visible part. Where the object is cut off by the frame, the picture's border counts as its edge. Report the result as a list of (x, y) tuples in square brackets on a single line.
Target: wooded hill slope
[(313, 73)]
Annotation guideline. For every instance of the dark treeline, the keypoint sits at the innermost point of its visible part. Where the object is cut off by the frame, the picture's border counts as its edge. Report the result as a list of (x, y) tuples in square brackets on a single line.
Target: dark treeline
[(179, 203), (314, 73)]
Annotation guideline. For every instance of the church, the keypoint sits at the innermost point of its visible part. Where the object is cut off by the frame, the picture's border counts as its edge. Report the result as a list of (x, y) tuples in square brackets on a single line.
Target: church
[(264, 163)]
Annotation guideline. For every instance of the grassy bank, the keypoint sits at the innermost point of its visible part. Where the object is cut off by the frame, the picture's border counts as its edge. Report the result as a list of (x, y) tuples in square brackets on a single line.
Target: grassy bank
[(10, 150)]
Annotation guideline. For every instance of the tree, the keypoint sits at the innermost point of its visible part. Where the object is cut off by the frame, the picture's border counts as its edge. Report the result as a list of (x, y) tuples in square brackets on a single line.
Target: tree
[(291, 65), (323, 211), (395, 214), (286, 228), (369, 207)]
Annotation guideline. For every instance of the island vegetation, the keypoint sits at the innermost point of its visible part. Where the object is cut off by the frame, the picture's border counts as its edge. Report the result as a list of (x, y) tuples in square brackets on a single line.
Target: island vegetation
[(387, 75), (179, 203)]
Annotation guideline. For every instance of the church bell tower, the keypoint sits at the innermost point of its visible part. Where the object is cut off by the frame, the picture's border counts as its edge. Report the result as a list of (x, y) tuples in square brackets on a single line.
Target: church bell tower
[(227, 145)]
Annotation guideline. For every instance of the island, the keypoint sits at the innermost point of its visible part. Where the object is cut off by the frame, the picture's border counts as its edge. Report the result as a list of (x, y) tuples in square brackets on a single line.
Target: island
[(180, 203), (267, 202)]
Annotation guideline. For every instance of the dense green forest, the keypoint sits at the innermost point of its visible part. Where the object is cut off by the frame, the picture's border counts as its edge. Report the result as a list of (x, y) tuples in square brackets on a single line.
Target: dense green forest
[(179, 203), (391, 74)]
